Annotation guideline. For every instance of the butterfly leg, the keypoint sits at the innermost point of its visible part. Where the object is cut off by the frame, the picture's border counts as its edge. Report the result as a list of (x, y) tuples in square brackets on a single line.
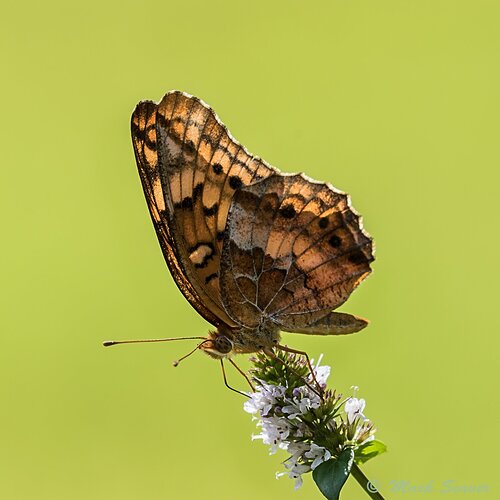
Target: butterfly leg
[(243, 373), (271, 354), (225, 380), (303, 353)]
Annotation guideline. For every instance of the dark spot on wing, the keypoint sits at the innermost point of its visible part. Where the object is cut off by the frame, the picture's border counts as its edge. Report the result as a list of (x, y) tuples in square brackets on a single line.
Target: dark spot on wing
[(210, 277), (190, 147), (209, 211), (217, 168), (138, 132), (162, 121), (220, 235), (357, 257), (150, 143), (197, 191), (323, 222), (204, 263), (187, 202), (288, 212), (235, 182), (335, 241)]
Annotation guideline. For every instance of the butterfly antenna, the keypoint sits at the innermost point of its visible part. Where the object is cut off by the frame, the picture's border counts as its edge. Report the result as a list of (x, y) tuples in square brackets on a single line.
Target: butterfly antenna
[(108, 343), (177, 361)]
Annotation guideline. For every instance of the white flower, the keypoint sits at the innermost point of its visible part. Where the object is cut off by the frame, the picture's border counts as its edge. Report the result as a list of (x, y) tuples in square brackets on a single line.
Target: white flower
[(300, 452), (354, 408), (298, 481), (293, 463), (263, 399), (300, 405), (275, 431), (319, 454), (321, 372), (296, 474), (303, 400), (296, 450)]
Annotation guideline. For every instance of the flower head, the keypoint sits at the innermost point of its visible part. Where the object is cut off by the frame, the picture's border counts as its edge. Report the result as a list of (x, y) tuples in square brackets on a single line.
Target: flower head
[(297, 413)]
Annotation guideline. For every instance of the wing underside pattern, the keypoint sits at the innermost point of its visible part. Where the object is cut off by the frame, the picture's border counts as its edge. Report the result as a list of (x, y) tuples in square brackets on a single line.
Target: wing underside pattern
[(295, 251), (190, 168)]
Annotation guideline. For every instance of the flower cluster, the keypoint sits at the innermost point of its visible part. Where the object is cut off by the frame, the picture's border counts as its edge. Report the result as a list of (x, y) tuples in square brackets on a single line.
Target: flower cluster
[(297, 413)]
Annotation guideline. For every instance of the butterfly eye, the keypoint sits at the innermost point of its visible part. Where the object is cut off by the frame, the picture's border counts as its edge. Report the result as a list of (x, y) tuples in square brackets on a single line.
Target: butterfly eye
[(223, 344)]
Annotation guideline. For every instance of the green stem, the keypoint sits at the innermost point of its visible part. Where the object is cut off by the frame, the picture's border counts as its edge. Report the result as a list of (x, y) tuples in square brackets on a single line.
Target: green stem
[(365, 483)]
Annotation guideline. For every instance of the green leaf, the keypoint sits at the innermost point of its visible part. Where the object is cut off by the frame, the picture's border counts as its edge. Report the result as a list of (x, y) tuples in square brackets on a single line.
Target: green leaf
[(369, 450), (331, 475)]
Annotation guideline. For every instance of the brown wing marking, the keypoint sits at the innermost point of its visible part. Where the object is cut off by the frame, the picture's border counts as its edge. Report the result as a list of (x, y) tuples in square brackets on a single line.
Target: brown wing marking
[(295, 251), (334, 323), (143, 126)]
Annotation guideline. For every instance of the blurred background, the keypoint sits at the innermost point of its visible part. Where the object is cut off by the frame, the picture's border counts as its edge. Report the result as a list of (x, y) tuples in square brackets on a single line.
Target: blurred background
[(396, 102)]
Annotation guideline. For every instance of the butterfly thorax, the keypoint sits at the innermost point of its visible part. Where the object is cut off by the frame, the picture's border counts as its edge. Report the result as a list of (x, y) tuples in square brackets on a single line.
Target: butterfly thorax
[(227, 341)]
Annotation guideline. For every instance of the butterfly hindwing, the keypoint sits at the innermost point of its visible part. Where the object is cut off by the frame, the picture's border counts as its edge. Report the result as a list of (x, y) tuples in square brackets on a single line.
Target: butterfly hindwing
[(295, 250)]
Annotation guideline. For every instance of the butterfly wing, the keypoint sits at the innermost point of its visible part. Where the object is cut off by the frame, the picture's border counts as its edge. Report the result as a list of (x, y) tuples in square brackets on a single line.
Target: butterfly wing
[(190, 167), (146, 154), (295, 250)]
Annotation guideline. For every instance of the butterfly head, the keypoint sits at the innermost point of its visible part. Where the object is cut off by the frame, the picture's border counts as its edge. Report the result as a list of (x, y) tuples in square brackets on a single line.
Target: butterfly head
[(218, 344), (223, 342)]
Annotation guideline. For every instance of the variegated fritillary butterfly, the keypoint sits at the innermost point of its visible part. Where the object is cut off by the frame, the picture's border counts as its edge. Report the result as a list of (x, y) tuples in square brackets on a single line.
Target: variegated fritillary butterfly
[(253, 250)]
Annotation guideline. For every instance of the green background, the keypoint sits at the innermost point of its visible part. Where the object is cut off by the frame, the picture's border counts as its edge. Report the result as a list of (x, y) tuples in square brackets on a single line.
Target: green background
[(396, 102)]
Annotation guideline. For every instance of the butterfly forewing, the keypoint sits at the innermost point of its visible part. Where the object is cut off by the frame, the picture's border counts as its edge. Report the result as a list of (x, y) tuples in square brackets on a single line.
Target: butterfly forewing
[(191, 167), (145, 147)]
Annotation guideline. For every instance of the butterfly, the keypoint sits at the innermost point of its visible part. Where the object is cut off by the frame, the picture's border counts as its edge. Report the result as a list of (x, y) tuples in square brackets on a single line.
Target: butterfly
[(253, 250)]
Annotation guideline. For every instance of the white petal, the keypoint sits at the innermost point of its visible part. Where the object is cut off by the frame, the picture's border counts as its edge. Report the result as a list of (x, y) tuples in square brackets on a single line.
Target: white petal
[(298, 483)]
